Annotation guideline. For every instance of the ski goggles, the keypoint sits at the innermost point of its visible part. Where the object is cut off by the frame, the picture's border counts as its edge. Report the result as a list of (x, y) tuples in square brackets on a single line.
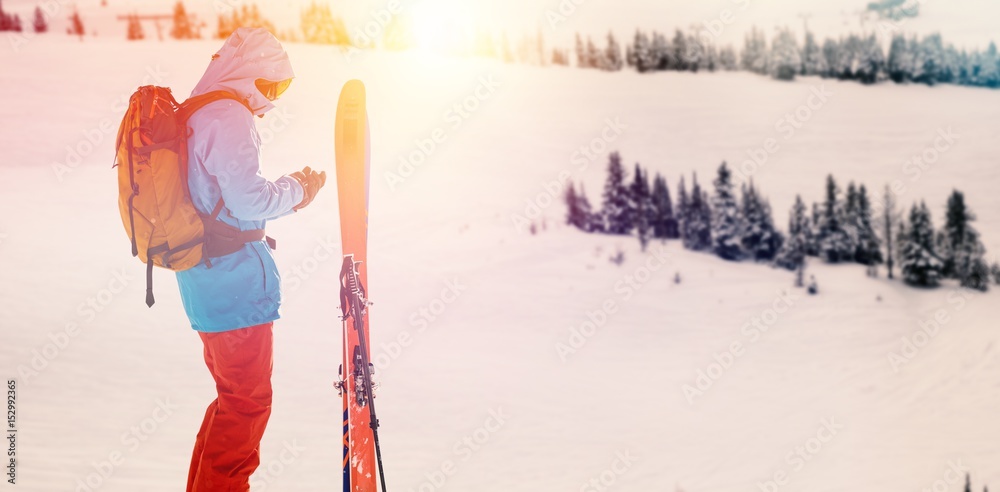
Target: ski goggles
[(272, 90)]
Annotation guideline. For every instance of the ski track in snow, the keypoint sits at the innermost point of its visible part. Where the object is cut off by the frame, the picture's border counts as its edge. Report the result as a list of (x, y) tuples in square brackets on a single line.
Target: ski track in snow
[(491, 353)]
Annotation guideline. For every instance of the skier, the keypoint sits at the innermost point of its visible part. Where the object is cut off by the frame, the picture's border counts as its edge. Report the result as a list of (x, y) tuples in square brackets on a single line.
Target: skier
[(232, 300)]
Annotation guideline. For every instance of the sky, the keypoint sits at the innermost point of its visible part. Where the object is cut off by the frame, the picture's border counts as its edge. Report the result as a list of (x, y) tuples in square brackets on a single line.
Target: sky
[(966, 23)]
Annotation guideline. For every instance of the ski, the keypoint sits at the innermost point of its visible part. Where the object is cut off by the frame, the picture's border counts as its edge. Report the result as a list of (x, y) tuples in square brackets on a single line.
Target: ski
[(362, 453)]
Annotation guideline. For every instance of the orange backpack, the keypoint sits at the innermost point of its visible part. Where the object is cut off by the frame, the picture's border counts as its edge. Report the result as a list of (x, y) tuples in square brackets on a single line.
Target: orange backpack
[(161, 221)]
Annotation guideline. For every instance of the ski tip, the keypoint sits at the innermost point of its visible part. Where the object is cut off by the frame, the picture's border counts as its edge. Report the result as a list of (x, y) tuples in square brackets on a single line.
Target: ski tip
[(354, 86)]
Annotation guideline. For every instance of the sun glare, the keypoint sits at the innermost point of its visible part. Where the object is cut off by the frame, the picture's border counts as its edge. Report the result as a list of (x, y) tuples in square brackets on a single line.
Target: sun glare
[(442, 26)]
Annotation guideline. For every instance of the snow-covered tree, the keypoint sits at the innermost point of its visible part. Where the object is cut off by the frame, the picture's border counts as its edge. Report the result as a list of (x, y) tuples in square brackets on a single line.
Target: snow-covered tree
[(931, 54), (760, 239), (641, 205), (834, 243), (792, 255), (695, 53), (683, 213), (9, 22), (785, 59), (812, 234), (182, 28), (988, 67), (871, 61), (582, 57), (661, 54), (576, 216), (963, 252), (612, 59), (318, 25), (616, 209), (726, 220), (640, 52), (727, 58), (134, 31), (850, 215), (39, 23), (680, 52), (755, 56), (919, 263), (698, 224), (900, 60), (664, 222), (76, 25), (849, 61), (869, 248), (887, 223), (709, 59), (813, 62), (831, 57)]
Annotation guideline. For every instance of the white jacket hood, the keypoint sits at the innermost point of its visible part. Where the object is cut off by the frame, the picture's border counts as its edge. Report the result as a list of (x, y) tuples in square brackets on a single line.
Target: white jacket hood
[(249, 54)]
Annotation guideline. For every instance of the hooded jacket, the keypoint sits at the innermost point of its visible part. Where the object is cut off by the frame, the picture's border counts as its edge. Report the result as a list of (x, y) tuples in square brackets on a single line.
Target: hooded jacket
[(241, 289)]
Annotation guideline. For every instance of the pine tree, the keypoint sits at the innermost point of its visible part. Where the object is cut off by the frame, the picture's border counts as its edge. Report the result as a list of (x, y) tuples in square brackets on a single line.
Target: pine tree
[(582, 60), (612, 54), (641, 206), (698, 235), (574, 216), (664, 222), (726, 219), (792, 255), (727, 59), (831, 55), (963, 252), (683, 211), (898, 64), (849, 62), (931, 53), (850, 217), (680, 52), (616, 210), (785, 58), (595, 223), (871, 62), (595, 58), (641, 59), (754, 57), (318, 25), (134, 32), (890, 216), (182, 23), (694, 53), (869, 250), (39, 23), (813, 62), (834, 244), (661, 56), (76, 25), (710, 60), (812, 234), (918, 261), (761, 240)]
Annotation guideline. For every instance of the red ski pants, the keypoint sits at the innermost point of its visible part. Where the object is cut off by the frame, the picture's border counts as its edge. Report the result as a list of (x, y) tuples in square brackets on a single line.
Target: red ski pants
[(227, 449)]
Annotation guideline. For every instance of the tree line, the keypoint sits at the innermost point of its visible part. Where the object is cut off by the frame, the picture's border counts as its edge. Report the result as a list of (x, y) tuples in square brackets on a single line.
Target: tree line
[(927, 60), (845, 227)]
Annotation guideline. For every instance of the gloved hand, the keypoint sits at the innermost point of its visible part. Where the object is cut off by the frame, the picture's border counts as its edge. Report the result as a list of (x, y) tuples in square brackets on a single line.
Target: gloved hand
[(311, 182)]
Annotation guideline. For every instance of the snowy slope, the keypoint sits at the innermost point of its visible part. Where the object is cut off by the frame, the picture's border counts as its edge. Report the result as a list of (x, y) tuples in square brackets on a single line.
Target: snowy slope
[(480, 397)]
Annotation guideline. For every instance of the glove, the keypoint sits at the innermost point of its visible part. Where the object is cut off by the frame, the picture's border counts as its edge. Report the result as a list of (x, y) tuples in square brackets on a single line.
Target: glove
[(311, 182)]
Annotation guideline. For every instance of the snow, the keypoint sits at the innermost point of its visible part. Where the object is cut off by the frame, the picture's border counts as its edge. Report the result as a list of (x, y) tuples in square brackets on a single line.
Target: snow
[(480, 398)]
